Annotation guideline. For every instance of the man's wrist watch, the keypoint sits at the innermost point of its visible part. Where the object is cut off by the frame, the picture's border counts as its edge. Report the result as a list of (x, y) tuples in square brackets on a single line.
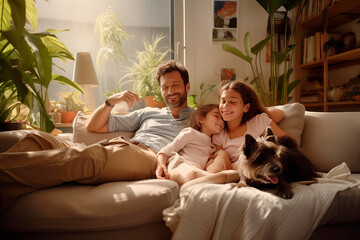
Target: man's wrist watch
[(109, 104)]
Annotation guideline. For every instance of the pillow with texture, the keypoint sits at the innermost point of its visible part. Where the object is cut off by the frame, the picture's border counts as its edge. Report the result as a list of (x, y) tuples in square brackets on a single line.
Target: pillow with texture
[(294, 120), (82, 135)]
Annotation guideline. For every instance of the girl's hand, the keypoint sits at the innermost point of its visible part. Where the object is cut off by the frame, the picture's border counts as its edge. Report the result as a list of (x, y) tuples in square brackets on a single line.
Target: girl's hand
[(211, 161), (161, 172)]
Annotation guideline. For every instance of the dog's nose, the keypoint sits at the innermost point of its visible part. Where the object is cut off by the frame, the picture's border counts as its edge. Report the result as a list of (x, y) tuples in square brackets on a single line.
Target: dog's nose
[(275, 169)]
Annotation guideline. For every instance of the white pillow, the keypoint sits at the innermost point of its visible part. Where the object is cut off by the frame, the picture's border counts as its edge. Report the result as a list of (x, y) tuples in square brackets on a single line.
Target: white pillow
[(293, 123), (82, 135)]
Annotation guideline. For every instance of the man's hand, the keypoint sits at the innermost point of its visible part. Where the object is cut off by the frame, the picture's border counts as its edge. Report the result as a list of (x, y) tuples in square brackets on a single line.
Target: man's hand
[(125, 96)]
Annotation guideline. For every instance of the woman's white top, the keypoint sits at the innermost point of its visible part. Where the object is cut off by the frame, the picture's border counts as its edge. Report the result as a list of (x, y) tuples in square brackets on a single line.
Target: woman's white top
[(255, 127)]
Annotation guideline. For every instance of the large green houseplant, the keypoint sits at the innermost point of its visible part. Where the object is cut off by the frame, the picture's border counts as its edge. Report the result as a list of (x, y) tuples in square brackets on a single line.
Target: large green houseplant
[(26, 56), (143, 69), (280, 86)]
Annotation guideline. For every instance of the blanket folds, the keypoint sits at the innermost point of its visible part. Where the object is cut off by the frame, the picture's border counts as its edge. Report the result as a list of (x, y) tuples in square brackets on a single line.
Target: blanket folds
[(221, 211)]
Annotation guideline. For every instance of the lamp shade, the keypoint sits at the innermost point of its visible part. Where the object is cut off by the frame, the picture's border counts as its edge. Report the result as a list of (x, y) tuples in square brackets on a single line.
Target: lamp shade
[(84, 71)]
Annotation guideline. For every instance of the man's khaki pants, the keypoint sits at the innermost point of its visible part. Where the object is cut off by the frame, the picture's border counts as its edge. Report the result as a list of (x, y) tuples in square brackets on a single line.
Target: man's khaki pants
[(40, 160)]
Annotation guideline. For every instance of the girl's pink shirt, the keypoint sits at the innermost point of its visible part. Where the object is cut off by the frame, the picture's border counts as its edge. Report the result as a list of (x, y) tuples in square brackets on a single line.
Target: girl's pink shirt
[(255, 127)]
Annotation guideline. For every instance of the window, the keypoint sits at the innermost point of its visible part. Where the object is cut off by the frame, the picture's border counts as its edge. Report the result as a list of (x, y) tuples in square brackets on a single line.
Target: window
[(141, 18)]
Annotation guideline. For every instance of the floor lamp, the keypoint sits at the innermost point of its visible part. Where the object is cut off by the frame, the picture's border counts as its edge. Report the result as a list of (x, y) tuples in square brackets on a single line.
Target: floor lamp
[(85, 75)]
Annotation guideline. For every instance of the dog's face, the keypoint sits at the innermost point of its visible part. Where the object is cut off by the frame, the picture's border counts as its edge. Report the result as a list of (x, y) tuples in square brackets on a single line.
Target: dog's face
[(259, 160)]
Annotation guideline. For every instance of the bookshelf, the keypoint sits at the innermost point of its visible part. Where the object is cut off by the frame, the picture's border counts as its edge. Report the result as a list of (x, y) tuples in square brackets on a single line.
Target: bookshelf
[(313, 65)]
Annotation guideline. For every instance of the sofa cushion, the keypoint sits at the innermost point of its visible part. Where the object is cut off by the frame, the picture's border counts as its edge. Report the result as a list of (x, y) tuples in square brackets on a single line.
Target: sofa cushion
[(330, 138), (293, 123), (75, 207), (82, 135)]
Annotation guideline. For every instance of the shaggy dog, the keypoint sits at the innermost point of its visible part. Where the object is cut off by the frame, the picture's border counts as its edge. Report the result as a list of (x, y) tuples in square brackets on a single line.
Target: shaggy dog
[(268, 162)]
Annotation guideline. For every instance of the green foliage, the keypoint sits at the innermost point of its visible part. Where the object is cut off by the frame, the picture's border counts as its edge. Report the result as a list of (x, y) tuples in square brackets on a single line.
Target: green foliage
[(205, 90), (280, 87), (143, 69), (112, 32), (72, 102), (26, 56)]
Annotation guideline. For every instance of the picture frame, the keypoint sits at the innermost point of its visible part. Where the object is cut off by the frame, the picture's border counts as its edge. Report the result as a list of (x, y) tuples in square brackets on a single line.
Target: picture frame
[(224, 24)]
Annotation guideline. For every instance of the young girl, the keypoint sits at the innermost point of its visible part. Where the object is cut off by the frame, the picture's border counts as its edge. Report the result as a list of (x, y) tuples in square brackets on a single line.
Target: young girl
[(243, 113), (187, 156)]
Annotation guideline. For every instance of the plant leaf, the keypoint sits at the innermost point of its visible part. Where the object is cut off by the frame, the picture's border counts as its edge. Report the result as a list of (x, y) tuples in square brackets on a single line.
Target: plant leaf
[(271, 6), (247, 42), (260, 45), (65, 81), (290, 4), (231, 49)]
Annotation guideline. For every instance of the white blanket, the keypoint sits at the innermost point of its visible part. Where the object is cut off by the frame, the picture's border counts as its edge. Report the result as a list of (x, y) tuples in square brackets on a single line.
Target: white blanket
[(221, 211)]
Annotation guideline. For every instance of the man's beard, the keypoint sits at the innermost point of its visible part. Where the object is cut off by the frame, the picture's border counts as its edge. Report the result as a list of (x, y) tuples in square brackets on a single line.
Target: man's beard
[(182, 100)]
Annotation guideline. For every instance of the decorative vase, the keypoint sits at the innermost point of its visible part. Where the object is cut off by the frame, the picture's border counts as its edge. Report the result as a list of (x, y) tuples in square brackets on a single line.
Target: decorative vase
[(150, 101), (9, 126), (68, 116)]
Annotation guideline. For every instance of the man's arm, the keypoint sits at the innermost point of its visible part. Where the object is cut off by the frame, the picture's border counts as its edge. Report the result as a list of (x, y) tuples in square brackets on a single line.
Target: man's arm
[(99, 118)]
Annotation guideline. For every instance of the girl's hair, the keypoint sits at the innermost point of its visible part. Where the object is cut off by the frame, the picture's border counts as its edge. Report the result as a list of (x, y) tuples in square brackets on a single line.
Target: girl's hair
[(201, 112), (248, 95)]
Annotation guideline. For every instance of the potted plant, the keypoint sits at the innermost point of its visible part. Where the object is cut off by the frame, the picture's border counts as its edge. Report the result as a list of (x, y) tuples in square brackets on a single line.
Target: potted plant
[(71, 105), (26, 56), (111, 34), (280, 86), (143, 69), (9, 108)]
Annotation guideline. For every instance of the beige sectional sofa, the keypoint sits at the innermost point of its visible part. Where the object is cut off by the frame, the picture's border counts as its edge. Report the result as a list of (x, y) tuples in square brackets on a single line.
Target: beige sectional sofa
[(133, 209)]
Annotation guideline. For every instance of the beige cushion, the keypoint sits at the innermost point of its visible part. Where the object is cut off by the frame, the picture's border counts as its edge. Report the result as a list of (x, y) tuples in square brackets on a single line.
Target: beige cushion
[(75, 207), (329, 139), (293, 123), (82, 135)]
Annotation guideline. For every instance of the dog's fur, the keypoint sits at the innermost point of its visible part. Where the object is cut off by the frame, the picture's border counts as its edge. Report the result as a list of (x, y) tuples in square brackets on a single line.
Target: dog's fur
[(270, 162)]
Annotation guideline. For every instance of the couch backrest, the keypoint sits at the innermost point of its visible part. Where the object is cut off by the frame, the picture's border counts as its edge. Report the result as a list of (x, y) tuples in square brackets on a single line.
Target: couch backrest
[(330, 138)]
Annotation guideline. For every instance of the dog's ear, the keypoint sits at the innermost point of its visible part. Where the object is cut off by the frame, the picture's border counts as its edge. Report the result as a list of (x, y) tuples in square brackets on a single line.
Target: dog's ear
[(269, 135), (250, 144)]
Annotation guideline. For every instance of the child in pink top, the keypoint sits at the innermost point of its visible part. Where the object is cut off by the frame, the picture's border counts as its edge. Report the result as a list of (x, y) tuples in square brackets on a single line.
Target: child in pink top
[(186, 158)]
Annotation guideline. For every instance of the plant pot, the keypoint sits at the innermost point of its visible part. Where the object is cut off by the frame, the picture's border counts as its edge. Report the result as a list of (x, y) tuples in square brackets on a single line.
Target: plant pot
[(8, 126), (150, 101), (68, 116)]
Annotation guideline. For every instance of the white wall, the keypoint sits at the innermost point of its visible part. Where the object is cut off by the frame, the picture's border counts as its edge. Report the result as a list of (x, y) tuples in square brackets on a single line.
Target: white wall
[(204, 59)]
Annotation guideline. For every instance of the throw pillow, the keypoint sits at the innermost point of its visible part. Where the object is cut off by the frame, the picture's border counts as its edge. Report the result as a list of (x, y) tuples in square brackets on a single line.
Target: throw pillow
[(294, 120)]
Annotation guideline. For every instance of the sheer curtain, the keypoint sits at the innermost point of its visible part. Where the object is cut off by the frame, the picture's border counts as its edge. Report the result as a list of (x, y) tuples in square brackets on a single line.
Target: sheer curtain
[(141, 18)]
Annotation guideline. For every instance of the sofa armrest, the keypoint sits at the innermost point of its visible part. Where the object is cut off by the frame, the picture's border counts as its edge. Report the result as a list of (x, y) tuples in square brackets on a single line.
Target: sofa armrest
[(330, 138), (82, 135)]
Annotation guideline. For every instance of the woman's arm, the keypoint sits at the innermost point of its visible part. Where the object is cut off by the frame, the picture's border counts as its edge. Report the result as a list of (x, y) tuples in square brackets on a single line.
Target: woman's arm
[(275, 114), (277, 130)]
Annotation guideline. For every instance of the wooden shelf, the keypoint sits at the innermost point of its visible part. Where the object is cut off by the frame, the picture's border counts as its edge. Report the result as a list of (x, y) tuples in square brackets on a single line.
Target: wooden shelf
[(338, 14), (351, 55), (315, 64)]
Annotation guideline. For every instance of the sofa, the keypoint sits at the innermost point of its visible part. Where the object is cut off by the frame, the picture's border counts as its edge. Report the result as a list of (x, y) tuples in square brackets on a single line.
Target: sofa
[(133, 209)]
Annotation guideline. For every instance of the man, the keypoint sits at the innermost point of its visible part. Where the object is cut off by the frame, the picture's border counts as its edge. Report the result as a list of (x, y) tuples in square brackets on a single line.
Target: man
[(52, 162), (154, 128)]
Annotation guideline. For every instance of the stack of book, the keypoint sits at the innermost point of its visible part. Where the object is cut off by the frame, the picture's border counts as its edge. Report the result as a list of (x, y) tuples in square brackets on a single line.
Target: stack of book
[(313, 48), (315, 7)]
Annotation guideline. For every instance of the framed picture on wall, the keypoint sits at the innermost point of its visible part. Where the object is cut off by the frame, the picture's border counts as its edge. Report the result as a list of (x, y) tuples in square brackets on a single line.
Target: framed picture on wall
[(224, 24)]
